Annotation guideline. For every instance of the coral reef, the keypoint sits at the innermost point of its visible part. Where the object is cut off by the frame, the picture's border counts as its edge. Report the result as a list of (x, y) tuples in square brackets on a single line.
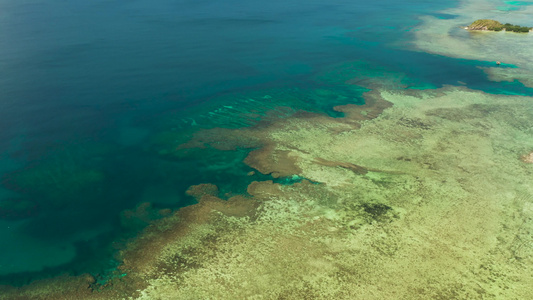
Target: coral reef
[(143, 214), (427, 200), (440, 179)]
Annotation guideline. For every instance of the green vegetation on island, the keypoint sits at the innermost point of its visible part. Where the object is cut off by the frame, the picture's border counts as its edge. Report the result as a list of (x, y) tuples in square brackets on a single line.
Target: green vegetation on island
[(493, 25)]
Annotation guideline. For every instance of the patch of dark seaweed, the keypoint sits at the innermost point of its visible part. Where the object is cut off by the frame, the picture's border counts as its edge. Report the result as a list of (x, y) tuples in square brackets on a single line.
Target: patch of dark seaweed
[(377, 212), (414, 123)]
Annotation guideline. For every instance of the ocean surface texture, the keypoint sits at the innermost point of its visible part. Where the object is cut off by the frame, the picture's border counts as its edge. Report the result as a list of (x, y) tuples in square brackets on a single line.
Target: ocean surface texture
[(210, 149)]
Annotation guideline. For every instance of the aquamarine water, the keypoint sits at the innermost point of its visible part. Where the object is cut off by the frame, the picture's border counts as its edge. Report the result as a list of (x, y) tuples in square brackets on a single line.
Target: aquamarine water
[(96, 95)]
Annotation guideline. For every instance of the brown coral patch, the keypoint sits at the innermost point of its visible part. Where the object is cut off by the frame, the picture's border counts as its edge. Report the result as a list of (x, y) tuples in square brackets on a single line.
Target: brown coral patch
[(528, 158), (144, 213), (263, 189), (174, 228), (221, 139), (200, 190), (239, 206), (346, 165), (61, 287), (269, 160)]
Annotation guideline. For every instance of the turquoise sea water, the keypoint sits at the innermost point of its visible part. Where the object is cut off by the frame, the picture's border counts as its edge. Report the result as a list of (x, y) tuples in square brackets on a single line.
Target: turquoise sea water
[(96, 95), (512, 5)]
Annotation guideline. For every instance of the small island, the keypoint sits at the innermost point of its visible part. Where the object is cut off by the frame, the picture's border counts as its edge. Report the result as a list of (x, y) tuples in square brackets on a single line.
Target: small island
[(493, 25)]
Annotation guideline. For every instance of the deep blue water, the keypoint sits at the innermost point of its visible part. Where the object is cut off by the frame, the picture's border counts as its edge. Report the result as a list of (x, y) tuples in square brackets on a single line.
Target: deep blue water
[(94, 95)]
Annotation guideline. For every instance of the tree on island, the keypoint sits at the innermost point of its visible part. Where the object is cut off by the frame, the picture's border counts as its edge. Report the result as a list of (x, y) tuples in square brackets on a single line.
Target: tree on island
[(493, 25)]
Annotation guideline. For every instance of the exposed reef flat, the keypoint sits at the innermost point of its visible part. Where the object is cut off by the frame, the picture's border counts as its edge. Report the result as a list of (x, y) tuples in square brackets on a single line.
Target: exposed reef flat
[(419, 194)]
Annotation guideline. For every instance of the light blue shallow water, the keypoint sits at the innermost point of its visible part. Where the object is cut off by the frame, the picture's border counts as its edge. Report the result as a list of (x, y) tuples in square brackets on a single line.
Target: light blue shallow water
[(94, 93)]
